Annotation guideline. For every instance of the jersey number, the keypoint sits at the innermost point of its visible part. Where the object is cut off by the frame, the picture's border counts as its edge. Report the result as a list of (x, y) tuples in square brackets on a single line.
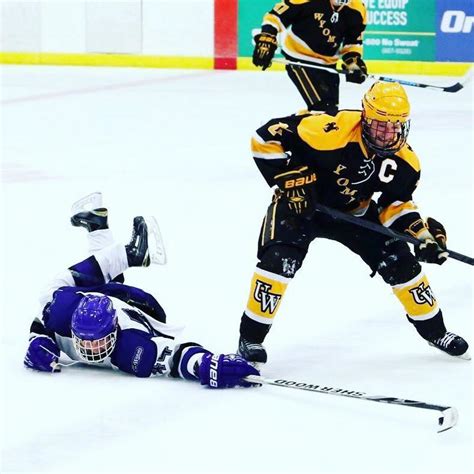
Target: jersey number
[(387, 170)]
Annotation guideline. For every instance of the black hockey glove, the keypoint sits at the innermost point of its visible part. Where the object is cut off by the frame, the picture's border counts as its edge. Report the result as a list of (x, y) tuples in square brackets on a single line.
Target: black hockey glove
[(296, 188), (433, 247), (265, 47), (355, 67)]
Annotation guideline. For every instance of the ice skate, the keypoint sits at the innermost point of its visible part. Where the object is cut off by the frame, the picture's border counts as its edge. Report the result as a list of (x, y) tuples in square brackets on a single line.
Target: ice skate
[(452, 344), (253, 352), (88, 212), (146, 245)]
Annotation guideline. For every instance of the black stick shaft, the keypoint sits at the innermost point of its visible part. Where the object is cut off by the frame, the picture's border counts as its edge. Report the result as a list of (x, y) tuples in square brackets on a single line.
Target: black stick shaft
[(384, 230), (452, 88)]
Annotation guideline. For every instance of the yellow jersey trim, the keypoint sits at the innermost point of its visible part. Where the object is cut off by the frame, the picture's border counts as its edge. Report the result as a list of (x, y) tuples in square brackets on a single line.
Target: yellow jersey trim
[(409, 156)]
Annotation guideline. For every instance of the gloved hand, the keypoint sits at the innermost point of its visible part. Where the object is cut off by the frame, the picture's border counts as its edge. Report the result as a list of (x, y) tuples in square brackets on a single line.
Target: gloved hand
[(433, 247), (265, 47), (297, 189), (355, 67), (225, 371), (42, 354)]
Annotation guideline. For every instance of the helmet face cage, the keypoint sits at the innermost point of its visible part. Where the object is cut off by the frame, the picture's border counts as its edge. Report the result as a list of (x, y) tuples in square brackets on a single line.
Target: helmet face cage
[(371, 128), (95, 350), (94, 328)]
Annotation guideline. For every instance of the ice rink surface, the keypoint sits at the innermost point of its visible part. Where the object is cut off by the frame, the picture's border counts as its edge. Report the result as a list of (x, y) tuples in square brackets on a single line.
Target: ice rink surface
[(175, 144)]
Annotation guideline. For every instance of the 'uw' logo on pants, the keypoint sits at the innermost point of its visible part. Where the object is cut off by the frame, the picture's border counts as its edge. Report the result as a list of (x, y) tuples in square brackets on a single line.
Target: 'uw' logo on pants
[(268, 301), (422, 294)]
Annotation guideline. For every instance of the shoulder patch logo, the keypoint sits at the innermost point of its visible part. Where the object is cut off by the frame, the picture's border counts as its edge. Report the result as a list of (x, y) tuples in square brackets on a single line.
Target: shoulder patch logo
[(278, 128), (329, 127), (136, 358)]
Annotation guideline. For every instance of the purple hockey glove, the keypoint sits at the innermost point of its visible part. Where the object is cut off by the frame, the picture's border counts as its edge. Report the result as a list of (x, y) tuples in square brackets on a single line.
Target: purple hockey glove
[(43, 354), (225, 371)]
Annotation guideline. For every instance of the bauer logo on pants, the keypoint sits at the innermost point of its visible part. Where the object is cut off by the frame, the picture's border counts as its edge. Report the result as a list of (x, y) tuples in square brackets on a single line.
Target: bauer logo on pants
[(268, 301), (422, 294)]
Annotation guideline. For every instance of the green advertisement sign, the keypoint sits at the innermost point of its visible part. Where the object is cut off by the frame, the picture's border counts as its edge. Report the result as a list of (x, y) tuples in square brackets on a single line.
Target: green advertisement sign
[(250, 20), (397, 29), (400, 29)]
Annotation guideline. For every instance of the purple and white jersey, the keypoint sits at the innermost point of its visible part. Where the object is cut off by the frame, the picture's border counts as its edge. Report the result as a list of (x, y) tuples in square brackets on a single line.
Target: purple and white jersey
[(145, 344)]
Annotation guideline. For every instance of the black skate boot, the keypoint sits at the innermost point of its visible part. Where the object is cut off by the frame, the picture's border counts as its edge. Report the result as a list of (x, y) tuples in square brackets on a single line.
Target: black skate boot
[(253, 352), (452, 344), (96, 219), (138, 254)]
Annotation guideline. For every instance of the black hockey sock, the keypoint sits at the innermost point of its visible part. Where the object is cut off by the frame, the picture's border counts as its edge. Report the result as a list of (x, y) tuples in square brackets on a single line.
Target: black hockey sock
[(430, 328), (252, 330)]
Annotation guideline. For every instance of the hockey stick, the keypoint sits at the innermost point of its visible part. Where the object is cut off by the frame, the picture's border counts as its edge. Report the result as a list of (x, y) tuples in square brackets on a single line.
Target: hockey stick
[(453, 88), (384, 230), (447, 416)]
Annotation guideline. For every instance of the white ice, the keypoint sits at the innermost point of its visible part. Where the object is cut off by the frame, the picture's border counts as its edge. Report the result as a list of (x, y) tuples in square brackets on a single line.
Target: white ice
[(175, 144)]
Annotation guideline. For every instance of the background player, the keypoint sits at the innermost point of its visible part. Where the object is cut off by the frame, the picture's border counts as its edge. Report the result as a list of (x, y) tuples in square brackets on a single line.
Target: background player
[(318, 32), (95, 320), (341, 161)]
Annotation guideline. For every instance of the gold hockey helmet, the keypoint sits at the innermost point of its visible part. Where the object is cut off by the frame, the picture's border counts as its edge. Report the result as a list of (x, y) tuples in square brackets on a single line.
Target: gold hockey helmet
[(385, 118)]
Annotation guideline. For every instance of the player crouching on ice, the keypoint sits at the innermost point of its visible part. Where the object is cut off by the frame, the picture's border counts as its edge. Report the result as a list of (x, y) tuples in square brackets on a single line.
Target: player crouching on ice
[(93, 318), (342, 161)]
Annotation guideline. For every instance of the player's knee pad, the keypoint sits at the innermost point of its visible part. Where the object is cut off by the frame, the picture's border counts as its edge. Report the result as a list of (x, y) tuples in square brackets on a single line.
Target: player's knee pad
[(284, 260), (398, 265)]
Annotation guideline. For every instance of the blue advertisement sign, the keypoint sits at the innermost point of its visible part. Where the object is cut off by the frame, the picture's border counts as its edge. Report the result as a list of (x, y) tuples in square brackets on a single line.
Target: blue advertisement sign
[(455, 30)]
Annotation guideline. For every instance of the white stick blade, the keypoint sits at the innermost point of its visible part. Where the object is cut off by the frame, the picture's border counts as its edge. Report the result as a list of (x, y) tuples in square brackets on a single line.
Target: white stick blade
[(447, 419)]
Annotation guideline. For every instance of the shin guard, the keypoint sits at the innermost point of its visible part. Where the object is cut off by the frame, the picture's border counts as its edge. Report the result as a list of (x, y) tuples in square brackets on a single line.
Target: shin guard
[(266, 292), (417, 298)]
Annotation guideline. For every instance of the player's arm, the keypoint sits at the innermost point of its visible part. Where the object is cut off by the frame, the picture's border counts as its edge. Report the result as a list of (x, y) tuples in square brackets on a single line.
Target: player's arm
[(398, 211), (144, 355), (352, 50), (275, 21), (43, 352), (273, 145), (275, 149)]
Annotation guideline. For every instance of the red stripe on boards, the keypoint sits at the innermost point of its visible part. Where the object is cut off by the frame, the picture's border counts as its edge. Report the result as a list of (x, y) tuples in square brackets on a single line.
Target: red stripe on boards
[(225, 34)]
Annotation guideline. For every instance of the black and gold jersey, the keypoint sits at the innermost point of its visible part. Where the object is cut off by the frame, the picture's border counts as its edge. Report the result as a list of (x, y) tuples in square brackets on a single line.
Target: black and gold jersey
[(347, 174), (315, 30)]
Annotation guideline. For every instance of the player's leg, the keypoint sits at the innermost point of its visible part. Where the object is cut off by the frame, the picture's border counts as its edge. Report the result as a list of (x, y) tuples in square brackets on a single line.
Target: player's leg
[(319, 89), (282, 249), (89, 213), (395, 263), (110, 259)]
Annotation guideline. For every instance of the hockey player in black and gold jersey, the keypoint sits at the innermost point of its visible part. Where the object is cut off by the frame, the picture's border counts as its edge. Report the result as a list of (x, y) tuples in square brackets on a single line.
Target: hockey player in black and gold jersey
[(317, 32), (341, 161)]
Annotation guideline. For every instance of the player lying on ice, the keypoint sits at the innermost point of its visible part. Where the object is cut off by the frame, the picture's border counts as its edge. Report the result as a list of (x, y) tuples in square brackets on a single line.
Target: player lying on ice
[(92, 317)]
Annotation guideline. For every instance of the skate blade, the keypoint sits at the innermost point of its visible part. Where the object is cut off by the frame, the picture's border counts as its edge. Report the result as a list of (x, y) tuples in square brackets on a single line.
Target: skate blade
[(156, 246), (465, 356), (87, 203)]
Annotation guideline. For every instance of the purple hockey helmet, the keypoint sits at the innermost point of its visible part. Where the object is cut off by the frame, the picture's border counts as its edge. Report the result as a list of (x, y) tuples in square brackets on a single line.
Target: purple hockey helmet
[(94, 328)]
